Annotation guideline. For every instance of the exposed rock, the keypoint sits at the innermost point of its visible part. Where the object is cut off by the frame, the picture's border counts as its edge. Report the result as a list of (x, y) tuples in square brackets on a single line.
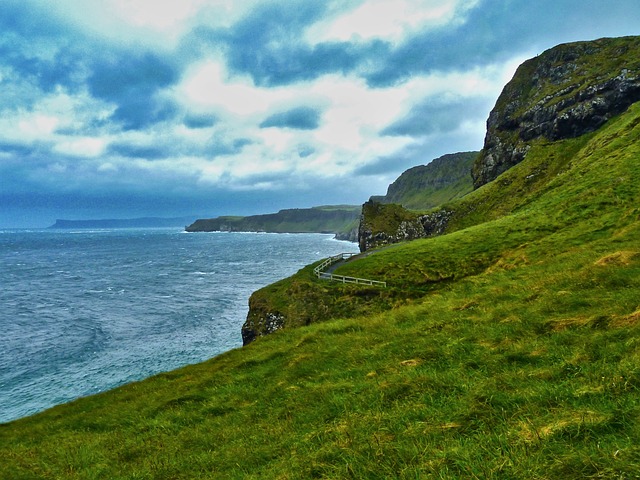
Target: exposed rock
[(383, 224), (386, 224), (260, 323), (350, 236), (435, 223), (565, 92)]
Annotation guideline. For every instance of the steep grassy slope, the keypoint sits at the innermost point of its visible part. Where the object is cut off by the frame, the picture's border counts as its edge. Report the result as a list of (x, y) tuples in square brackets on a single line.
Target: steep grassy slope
[(512, 351), (427, 186)]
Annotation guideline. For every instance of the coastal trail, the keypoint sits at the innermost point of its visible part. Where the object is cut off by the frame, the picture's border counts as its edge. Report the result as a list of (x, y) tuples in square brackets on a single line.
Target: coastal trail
[(325, 270)]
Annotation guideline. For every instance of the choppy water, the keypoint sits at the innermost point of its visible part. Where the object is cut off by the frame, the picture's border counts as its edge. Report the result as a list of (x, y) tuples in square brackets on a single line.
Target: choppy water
[(85, 311)]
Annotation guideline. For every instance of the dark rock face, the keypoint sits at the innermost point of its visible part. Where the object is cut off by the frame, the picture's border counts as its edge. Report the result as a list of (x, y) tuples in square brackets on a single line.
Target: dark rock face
[(382, 224), (565, 92), (435, 223), (386, 224), (406, 230), (260, 323), (350, 236)]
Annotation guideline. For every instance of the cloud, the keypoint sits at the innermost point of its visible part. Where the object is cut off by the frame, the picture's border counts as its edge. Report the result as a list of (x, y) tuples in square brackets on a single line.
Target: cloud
[(221, 146), (202, 120), (305, 151), (495, 30), (422, 151), (301, 118), (391, 21), (36, 50), (81, 147), (149, 152), (268, 44), (439, 115), (133, 82)]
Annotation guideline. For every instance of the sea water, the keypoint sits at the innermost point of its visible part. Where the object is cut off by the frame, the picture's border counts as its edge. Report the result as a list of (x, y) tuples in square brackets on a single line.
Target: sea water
[(83, 311)]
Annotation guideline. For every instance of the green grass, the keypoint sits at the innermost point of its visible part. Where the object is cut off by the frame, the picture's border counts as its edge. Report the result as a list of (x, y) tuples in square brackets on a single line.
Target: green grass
[(427, 186), (507, 349)]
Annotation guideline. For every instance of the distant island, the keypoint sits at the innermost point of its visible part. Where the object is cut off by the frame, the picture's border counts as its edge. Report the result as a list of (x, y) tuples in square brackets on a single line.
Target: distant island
[(145, 222)]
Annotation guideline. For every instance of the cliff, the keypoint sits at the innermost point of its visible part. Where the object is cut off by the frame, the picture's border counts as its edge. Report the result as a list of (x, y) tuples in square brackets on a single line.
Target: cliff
[(565, 92), (427, 186), (384, 224), (341, 220), (391, 218)]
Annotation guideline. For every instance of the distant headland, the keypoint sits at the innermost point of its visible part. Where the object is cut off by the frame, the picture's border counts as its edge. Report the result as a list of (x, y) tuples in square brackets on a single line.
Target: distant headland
[(145, 222)]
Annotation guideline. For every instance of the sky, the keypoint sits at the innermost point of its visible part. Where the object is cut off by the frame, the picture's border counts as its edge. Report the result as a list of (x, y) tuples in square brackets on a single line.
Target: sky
[(132, 108)]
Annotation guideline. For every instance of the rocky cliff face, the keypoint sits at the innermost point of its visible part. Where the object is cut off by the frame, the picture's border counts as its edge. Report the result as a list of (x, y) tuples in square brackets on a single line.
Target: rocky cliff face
[(565, 92), (382, 224), (260, 323), (386, 219)]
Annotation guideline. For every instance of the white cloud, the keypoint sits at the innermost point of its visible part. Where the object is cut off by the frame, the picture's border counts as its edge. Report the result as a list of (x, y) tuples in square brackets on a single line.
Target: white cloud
[(353, 115), (36, 126), (208, 85), (156, 23), (107, 167), (164, 15), (389, 20), (81, 146)]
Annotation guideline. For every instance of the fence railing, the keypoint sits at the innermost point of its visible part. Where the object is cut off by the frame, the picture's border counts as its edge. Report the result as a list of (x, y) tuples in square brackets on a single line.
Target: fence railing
[(320, 273)]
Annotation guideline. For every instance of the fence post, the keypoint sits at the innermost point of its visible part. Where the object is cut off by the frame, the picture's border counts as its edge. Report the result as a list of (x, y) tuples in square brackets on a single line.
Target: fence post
[(319, 271)]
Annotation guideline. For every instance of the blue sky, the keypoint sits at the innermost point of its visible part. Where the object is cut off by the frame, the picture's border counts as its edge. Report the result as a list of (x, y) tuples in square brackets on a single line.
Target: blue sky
[(128, 108)]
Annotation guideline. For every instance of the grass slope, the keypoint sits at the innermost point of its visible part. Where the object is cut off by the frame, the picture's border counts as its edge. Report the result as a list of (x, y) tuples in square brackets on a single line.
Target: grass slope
[(427, 186), (513, 351)]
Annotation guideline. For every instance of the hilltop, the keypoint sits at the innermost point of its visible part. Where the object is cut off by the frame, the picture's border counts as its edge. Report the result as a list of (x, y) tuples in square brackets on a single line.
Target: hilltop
[(566, 92), (427, 186), (505, 345)]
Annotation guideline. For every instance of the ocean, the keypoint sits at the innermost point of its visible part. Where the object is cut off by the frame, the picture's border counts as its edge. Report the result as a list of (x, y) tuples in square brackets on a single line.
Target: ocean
[(84, 311)]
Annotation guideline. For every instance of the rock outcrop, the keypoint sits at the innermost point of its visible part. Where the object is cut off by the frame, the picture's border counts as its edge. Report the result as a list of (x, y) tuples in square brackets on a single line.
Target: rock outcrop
[(387, 219), (384, 224), (259, 323), (565, 92)]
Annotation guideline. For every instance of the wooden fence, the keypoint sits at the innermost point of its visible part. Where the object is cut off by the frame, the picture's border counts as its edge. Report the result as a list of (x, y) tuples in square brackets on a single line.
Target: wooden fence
[(320, 273)]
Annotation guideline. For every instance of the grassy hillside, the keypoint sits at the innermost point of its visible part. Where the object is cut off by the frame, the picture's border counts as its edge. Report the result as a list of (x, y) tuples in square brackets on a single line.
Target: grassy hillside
[(427, 186), (508, 348)]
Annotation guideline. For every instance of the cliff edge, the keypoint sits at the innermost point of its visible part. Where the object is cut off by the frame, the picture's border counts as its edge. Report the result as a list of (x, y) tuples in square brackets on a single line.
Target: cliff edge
[(565, 92)]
